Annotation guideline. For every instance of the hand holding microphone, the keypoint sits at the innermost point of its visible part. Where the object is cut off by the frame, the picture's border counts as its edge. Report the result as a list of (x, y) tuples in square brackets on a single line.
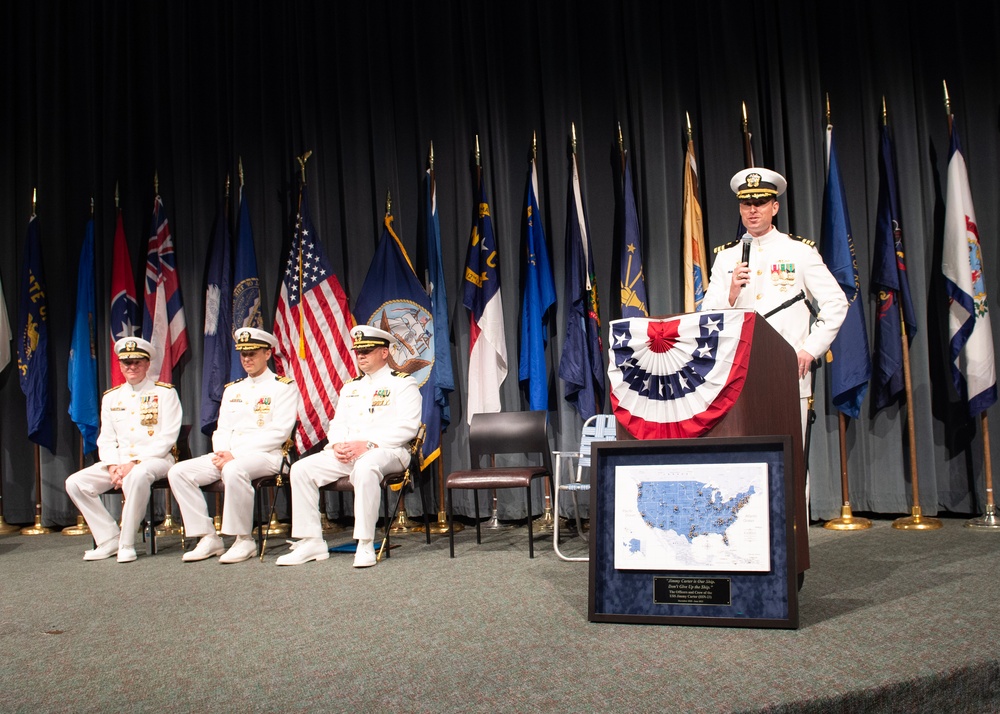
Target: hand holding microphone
[(746, 255)]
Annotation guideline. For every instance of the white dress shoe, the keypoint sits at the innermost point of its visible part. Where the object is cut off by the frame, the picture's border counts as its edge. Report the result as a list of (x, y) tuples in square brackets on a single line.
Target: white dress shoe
[(126, 554), (305, 550), (104, 550), (364, 556), (241, 550), (207, 547)]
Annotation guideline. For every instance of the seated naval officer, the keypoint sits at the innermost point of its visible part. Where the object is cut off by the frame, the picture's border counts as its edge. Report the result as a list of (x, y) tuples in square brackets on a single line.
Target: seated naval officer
[(140, 420), (780, 267), (378, 413), (256, 417)]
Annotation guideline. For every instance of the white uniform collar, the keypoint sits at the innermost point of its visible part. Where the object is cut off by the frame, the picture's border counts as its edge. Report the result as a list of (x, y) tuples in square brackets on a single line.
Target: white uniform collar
[(384, 370), (267, 374), (142, 386), (767, 238)]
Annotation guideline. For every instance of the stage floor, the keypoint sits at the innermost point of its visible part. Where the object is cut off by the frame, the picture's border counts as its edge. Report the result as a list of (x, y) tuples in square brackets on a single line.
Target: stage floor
[(894, 621)]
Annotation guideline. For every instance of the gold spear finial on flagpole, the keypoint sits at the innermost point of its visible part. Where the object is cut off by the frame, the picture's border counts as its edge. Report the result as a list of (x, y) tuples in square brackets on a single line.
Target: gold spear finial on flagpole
[(156, 182), (947, 99), (690, 134), (116, 195), (828, 115), (534, 145), (91, 206), (240, 161), (302, 163), (885, 113), (430, 157), (572, 137), (478, 163), (227, 184), (34, 200), (388, 203)]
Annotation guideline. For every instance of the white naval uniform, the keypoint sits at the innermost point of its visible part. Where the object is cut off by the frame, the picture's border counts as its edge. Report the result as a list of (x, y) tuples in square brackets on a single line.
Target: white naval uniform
[(384, 408), (138, 423), (256, 417), (780, 267)]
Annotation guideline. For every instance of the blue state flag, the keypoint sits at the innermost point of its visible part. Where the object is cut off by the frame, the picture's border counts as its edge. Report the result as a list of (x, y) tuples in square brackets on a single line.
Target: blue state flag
[(246, 309), (890, 284), (84, 408), (32, 341), (581, 366), (444, 375), (851, 367), (633, 277), (539, 297), (218, 332), (393, 300)]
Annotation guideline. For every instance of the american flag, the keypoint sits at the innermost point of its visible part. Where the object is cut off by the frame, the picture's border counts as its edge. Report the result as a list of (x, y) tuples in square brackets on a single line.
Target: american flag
[(312, 325), (163, 311)]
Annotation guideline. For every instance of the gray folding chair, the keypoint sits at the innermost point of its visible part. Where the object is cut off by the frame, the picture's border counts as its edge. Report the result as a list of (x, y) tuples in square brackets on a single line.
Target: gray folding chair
[(600, 427)]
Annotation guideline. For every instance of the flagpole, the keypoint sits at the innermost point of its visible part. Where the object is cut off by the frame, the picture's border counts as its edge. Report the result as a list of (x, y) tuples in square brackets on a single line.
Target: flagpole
[(37, 528), (747, 145), (168, 527), (847, 521), (441, 526), (989, 520)]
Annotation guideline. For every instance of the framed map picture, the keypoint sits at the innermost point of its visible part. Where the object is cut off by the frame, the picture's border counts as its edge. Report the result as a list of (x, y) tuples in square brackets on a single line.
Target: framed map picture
[(694, 532)]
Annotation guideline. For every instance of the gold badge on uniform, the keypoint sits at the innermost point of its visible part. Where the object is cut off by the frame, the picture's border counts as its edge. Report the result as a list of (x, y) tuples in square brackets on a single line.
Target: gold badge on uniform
[(149, 411), (783, 274), (262, 407)]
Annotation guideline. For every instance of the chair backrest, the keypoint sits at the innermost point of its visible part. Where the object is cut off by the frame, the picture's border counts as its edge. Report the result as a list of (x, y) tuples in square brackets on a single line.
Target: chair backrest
[(600, 427), (509, 433)]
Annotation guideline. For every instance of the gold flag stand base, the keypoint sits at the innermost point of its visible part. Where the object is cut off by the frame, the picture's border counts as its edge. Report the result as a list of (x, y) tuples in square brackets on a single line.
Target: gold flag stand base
[(493, 523), (217, 524), (276, 527), (37, 529), (329, 526), (7, 527), (168, 527), (986, 522), (404, 524), (545, 523), (441, 526), (847, 521), (79, 529), (916, 522)]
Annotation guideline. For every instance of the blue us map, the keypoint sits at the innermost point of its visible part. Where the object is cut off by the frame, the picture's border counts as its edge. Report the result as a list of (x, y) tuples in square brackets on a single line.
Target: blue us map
[(695, 517)]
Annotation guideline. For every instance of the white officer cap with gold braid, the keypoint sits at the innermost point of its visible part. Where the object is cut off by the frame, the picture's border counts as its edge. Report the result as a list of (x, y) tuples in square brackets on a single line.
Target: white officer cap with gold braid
[(757, 183), (250, 338), (367, 337), (134, 348)]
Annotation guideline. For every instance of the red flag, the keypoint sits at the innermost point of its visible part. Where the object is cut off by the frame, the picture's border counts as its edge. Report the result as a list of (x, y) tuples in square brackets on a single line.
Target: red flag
[(124, 311), (312, 325)]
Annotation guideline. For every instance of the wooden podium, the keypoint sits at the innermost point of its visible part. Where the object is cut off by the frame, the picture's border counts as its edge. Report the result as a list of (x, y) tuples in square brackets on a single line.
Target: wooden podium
[(769, 405)]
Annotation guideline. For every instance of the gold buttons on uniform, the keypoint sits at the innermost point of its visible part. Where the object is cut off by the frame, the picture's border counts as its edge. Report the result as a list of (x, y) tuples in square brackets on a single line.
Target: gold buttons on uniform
[(759, 296)]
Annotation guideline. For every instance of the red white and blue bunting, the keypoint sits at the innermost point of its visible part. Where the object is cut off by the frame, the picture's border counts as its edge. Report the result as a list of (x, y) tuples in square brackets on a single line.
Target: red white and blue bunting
[(677, 377)]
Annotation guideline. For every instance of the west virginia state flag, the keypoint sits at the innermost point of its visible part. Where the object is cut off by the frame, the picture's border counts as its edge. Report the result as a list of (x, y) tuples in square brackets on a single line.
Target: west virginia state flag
[(32, 341), (393, 300)]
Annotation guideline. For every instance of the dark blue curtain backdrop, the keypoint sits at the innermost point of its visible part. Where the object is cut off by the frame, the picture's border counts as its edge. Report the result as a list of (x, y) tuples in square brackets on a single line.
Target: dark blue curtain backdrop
[(99, 93)]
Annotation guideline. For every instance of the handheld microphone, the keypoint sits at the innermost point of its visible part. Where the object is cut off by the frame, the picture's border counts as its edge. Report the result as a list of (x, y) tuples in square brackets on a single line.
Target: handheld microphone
[(747, 240)]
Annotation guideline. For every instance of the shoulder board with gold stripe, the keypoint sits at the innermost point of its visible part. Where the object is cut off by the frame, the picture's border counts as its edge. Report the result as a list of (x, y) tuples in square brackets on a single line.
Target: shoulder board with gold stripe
[(284, 380), (356, 378), (108, 391), (808, 241), (235, 381), (723, 247), (397, 373), (166, 385)]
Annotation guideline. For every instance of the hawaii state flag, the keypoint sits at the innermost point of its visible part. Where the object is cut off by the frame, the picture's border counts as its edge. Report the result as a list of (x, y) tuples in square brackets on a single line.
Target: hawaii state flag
[(971, 336), (163, 322), (123, 315), (539, 297), (481, 297)]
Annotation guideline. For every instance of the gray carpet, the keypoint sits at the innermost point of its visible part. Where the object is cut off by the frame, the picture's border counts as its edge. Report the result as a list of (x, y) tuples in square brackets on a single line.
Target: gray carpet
[(891, 621)]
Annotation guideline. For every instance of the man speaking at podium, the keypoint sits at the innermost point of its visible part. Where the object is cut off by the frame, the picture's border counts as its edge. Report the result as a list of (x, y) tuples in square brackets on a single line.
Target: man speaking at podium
[(777, 275)]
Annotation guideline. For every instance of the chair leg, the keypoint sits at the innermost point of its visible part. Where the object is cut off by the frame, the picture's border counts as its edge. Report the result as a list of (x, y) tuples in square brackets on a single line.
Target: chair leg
[(424, 505), (389, 520), (531, 538), (479, 532), (151, 541), (451, 522)]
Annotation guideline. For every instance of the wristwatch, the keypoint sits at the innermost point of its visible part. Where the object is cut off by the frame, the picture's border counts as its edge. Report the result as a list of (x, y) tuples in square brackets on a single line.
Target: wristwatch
[(370, 445)]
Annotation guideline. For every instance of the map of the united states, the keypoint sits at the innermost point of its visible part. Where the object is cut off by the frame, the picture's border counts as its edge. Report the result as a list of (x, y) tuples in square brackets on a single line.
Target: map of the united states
[(689, 508)]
